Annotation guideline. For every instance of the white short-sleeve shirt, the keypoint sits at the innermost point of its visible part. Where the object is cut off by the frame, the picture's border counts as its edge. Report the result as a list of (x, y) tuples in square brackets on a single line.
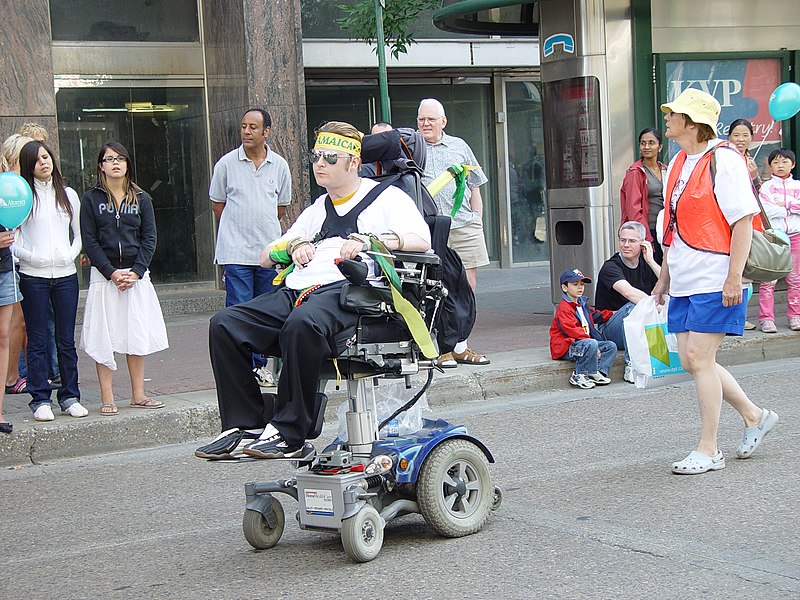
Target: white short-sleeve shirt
[(393, 210), (693, 271)]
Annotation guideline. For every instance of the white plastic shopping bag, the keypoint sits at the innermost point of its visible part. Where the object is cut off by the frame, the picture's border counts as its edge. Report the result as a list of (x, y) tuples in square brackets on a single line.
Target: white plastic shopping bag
[(653, 351)]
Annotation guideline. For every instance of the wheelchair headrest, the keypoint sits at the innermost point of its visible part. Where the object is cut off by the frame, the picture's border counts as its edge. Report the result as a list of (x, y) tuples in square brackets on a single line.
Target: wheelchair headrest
[(389, 146), (381, 147)]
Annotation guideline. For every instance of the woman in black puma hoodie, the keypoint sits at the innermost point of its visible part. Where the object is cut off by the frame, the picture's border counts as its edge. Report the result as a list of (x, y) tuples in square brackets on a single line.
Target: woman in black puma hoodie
[(122, 311)]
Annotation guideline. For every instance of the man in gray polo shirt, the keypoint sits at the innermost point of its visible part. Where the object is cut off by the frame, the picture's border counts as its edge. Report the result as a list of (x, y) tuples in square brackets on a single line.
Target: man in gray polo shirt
[(466, 225), (250, 189)]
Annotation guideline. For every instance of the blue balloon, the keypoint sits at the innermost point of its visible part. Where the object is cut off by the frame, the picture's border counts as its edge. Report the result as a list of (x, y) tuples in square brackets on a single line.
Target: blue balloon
[(784, 102), (16, 200)]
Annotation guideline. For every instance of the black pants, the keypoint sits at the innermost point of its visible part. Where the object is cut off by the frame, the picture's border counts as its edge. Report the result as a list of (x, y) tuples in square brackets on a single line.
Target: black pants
[(305, 336)]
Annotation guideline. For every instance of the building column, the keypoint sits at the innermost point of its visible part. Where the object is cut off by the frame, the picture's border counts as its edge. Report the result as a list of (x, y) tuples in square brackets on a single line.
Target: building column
[(254, 57), (26, 62)]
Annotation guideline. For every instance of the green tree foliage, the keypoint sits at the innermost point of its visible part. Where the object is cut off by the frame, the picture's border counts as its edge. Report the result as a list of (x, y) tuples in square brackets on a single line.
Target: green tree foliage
[(397, 14)]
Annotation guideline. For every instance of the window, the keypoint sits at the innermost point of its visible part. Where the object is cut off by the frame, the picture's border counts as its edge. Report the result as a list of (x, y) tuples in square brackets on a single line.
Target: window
[(124, 21), (164, 131)]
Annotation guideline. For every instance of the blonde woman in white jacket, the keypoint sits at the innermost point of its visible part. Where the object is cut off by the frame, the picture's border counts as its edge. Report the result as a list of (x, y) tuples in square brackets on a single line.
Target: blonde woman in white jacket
[(48, 276)]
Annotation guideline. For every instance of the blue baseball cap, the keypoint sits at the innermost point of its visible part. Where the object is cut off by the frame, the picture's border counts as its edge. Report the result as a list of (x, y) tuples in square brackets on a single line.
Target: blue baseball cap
[(573, 275)]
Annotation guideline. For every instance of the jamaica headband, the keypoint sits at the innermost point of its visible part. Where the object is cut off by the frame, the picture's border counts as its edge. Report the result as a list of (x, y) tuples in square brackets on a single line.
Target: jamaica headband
[(334, 141)]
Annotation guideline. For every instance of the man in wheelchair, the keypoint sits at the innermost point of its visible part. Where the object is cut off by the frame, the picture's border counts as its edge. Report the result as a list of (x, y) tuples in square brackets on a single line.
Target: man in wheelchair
[(302, 321)]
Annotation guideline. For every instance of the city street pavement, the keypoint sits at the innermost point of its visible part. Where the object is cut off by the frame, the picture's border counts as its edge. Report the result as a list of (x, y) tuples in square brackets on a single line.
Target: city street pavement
[(590, 510), (514, 314)]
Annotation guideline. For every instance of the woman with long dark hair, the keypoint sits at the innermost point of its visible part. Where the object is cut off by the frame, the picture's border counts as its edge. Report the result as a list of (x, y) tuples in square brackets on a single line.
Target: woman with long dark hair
[(48, 276), (642, 195), (122, 310)]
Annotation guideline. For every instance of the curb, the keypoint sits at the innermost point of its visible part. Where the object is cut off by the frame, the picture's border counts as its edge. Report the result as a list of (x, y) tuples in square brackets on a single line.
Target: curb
[(194, 415)]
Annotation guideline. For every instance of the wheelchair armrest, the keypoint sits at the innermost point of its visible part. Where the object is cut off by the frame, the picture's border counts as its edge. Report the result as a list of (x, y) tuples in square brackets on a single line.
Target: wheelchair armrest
[(416, 257)]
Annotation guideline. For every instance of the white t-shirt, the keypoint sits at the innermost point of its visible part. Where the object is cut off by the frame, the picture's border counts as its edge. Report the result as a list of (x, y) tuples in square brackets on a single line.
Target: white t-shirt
[(393, 210), (693, 271)]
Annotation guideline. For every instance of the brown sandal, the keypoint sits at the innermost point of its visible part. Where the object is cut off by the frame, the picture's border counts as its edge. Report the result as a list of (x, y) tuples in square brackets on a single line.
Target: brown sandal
[(148, 403), (109, 409), (468, 357)]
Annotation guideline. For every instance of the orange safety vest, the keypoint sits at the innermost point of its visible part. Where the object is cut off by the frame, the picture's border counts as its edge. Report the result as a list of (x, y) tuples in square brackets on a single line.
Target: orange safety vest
[(698, 218)]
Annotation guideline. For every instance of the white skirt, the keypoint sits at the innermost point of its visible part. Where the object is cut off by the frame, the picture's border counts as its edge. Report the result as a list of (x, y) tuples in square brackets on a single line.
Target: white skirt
[(128, 322)]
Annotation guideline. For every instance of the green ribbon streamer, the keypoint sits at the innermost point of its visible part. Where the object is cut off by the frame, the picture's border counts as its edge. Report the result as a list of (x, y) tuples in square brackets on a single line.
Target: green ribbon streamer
[(460, 176), (411, 316)]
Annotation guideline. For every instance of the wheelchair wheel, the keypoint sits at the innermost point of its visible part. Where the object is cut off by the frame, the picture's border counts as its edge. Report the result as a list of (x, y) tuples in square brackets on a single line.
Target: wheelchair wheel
[(362, 535), (454, 488), (257, 531)]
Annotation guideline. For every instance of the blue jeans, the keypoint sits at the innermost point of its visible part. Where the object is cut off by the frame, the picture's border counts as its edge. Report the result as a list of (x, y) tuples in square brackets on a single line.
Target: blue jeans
[(62, 294), (584, 353), (614, 331), (52, 352), (245, 282)]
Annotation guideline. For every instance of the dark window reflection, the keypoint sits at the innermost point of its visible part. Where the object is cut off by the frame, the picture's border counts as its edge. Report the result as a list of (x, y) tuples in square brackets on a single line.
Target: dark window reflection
[(124, 21), (164, 130)]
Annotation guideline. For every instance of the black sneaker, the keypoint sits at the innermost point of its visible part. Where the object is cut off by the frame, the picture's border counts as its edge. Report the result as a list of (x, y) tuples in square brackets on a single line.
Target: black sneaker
[(273, 447), (223, 446)]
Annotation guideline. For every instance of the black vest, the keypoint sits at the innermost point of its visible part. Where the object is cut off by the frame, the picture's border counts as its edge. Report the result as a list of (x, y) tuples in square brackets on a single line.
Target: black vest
[(342, 226)]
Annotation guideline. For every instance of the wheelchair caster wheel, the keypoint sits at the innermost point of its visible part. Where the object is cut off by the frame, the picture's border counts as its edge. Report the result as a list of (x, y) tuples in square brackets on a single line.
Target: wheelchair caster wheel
[(257, 531), (454, 488), (362, 535), (497, 498)]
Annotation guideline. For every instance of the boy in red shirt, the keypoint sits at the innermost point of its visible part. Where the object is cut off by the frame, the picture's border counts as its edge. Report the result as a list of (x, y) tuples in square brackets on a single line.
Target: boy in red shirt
[(573, 335)]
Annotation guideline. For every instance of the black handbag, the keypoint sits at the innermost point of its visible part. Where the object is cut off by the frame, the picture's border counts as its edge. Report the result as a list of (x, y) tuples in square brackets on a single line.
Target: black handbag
[(365, 300)]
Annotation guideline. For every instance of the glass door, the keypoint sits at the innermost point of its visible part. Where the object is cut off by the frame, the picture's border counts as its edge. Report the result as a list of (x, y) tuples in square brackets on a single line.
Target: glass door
[(526, 172), (163, 129)]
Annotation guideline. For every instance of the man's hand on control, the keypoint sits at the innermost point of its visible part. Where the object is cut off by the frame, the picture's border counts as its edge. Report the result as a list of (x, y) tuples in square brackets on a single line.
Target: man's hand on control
[(352, 248)]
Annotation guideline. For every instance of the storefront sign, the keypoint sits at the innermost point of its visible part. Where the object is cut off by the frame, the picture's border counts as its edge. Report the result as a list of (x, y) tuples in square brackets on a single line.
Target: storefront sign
[(741, 86)]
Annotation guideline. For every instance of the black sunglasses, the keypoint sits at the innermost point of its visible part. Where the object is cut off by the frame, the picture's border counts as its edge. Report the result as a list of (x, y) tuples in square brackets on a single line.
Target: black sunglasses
[(330, 156)]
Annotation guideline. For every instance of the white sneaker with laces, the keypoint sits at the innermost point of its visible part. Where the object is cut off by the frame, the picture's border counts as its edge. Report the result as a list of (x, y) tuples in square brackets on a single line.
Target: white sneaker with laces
[(264, 376), (599, 378), (43, 413), (628, 375), (76, 410), (581, 380)]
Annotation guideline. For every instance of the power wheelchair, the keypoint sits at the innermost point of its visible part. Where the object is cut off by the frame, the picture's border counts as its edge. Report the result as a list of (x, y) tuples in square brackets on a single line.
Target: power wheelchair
[(356, 485)]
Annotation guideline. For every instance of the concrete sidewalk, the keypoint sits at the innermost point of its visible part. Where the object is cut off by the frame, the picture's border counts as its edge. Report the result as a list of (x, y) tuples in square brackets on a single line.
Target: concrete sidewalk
[(514, 314)]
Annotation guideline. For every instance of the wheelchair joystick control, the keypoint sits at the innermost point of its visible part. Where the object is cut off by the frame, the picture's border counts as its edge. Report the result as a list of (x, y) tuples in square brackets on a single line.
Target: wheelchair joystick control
[(354, 269)]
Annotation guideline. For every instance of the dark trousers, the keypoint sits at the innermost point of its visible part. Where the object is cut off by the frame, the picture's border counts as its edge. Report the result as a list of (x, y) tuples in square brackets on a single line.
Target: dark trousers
[(62, 294), (305, 336)]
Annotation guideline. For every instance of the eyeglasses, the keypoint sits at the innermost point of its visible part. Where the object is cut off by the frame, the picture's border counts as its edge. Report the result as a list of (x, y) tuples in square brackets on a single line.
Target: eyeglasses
[(632, 242), (114, 159), (427, 120), (648, 143), (330, 156)]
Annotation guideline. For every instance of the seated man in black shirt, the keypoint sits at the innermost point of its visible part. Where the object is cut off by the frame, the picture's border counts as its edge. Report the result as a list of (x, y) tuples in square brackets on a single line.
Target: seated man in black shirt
[(624, 279)]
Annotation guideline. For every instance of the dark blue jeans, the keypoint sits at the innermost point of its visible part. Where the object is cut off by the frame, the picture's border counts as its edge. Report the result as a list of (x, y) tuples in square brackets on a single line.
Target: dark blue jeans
[(613, 330), (245, 282), (62, 294), (52, 352)]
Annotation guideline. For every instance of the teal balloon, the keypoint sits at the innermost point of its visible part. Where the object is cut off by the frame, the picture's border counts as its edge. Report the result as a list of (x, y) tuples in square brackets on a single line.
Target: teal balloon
[(16, 200), (784, 102)]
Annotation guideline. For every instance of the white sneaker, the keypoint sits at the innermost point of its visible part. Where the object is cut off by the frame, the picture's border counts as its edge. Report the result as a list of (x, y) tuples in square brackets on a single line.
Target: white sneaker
[(264, 376), (43, 413), (628, 376), (75, 410), (599, 378), (581, 380)]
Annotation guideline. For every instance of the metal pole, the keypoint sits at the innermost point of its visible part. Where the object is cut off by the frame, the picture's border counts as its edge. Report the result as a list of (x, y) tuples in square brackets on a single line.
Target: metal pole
[(383, 82)]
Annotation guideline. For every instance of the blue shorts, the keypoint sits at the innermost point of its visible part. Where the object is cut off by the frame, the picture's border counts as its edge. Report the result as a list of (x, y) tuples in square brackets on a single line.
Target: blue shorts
[(9, 288), (704, 313)]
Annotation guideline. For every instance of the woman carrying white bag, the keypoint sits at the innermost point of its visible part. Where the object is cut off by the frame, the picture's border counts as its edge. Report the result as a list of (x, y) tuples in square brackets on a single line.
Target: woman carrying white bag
[(707, 233)]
